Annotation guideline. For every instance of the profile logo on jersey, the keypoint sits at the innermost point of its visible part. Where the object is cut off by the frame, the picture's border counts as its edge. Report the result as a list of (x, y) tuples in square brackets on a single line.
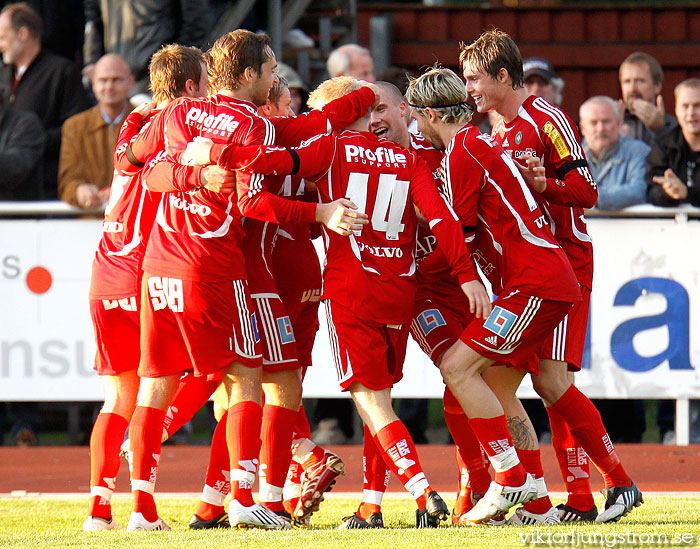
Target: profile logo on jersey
[(379, 156), (284, 325), (430, 319), (500, 321), (222, 124), (557, 139), (518, 138)]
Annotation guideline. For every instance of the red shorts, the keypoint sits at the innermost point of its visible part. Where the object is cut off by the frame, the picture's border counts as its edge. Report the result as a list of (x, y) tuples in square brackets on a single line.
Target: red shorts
[(305, 322), (279, 351), (203, 326), (117, 334), (436, 326), (297, 275), (568, 339), (369, 353), (515, 329)]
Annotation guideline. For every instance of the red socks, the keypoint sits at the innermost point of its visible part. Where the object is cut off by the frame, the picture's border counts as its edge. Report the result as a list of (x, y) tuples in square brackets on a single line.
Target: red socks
[(573, 463), (584, 421), (192, 393), (275, 454), (495, 439), (468, 448), (243, 436), (302, 429), (145, 433), (216, 487), (376, 477), (105, 441), (532, 462), (399, 453)]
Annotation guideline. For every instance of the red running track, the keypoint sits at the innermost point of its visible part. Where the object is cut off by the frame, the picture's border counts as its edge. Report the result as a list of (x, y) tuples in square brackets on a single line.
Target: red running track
[(654, 467)]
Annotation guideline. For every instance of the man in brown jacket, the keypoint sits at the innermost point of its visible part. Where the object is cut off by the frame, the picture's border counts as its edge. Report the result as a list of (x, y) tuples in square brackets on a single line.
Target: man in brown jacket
[(88, 138)]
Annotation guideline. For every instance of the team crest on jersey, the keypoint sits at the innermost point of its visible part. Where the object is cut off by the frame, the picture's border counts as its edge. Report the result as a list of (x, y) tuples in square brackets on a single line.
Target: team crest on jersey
[(500, 321), (284, 325), (557, 139), (430, 319), (518, 138)]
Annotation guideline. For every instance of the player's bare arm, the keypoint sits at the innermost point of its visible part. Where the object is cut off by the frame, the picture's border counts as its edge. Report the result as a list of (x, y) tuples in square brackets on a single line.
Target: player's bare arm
[(479, 302)]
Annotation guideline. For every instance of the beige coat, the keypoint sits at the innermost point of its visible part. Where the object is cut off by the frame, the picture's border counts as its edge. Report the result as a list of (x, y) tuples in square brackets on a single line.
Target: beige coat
[(87, 151)]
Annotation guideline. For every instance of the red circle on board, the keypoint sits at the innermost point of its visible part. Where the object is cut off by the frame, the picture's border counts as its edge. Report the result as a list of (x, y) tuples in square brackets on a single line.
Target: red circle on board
[(39, 280)]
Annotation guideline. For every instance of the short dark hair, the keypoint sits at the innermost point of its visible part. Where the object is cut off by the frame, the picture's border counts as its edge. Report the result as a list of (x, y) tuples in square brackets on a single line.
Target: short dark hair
[(642, 58), (492, 51), (170, 69), (21, 15), (393, 90), (233, 53)]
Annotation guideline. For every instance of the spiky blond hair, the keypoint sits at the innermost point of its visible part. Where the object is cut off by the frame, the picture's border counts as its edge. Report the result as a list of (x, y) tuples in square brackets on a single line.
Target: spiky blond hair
[(331, 89)]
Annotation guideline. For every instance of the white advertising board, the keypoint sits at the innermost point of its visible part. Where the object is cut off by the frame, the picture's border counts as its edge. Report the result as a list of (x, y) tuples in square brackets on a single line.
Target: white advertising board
[(644, 308)]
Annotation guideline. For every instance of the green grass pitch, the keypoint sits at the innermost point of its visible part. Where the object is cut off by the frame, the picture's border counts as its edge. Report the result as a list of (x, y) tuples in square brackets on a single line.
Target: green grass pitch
[(672, 521)]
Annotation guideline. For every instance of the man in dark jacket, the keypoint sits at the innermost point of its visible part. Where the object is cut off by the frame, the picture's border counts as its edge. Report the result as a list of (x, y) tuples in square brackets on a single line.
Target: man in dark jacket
[(150, 24), (39, 81), (673, 173), (22, 139)]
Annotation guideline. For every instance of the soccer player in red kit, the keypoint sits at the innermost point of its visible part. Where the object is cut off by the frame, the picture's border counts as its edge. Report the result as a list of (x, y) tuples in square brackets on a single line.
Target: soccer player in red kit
[(510, 241), (544, 140), (197, 311), (116, 273), (441, 314), (320, 467), (368, 282)]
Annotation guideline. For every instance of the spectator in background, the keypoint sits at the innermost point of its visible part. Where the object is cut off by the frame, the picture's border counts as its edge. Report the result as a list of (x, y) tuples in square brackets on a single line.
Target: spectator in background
[(645, 118), (541, 80), (672, 172), (89, 138), (351, 60), (135, 29), (39, 81), (298, 91), (22, 140), (617, 163)]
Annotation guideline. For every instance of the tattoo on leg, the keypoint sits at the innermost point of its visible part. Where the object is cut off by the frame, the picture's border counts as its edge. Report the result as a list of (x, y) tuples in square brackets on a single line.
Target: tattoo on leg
[(522, 433)]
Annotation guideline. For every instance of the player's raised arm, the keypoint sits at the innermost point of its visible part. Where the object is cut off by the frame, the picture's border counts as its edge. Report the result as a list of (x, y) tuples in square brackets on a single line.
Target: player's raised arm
[(335, 116)]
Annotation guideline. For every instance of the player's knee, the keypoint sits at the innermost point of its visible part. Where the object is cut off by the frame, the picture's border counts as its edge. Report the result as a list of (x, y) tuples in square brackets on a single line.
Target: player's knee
[(549, 388)]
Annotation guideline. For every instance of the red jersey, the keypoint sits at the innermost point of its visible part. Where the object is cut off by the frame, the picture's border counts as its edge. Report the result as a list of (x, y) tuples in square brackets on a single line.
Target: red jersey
[(505, 229), (198, 233), (545, 131), (127, 224), (436, 281), (371, 272), (260, 232)]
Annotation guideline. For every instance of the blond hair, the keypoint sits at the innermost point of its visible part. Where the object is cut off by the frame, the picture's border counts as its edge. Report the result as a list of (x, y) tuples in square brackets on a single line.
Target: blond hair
[(443, 91), (170, 69), (331, 89)]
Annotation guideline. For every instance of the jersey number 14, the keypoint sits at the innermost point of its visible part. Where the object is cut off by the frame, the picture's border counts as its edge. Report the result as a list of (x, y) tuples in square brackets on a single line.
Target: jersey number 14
[(389, 204)]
